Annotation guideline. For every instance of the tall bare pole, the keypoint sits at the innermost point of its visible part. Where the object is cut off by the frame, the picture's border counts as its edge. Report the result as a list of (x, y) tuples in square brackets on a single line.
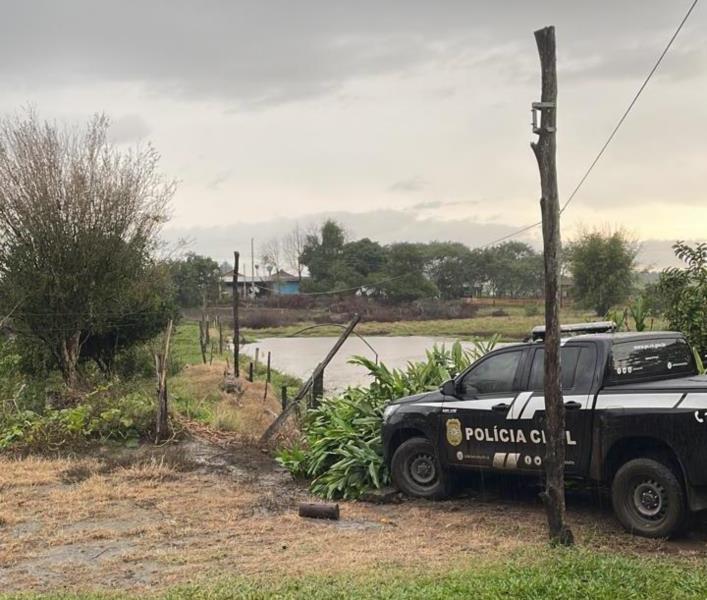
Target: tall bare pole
[(545, 150), (236, 326), (252, 266)]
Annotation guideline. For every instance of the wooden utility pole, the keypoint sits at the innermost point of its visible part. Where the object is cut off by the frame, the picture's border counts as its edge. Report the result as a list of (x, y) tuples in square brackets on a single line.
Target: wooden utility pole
[(236, 327), (252, 268), (545, 150)]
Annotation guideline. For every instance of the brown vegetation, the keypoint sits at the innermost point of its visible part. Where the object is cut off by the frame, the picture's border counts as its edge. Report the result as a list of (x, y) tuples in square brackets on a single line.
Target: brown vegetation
[(148, 518)]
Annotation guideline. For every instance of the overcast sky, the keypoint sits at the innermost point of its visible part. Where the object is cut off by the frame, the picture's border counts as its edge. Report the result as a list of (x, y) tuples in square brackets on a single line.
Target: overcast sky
[(405, 119)]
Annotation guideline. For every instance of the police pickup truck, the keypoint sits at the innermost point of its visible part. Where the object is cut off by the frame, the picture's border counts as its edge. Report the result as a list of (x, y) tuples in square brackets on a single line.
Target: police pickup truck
[(636, 420)]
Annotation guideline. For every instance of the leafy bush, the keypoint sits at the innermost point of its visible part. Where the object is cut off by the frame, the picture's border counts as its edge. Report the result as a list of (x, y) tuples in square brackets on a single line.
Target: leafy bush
[(639, 313), (108, 413), (686, 293), (342, 451)]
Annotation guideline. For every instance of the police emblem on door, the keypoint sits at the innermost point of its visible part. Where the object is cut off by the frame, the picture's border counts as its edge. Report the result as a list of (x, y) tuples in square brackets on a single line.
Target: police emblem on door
[(454, 432)]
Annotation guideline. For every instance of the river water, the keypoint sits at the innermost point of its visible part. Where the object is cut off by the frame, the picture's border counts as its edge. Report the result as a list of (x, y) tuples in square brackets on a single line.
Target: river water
[(299, 356)]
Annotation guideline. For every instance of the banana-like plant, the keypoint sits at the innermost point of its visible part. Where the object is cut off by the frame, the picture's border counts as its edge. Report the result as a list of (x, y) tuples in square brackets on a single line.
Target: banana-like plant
[(341, 450)]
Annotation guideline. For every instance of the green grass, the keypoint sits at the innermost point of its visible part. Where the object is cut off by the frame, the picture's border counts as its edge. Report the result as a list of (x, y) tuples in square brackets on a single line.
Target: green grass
[(192, 399), (185, 343), (557, 575), (515, 325)]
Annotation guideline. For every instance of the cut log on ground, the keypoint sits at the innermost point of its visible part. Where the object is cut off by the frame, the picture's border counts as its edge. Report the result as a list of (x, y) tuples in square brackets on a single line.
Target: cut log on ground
[(319, 511)]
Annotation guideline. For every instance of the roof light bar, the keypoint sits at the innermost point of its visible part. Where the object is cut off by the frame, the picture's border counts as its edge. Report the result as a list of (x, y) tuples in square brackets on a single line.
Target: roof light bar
[(538, 333)]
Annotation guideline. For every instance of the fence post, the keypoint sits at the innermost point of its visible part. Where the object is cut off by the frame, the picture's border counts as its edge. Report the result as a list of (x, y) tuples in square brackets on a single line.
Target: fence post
[(220, 334), (267, 378)]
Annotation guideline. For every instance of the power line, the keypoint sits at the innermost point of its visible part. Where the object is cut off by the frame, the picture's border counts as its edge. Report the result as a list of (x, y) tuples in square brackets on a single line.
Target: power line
[(613, 132)]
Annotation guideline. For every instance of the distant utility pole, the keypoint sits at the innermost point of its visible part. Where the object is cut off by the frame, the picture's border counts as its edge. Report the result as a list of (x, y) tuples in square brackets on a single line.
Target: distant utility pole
[(236, 327), (545, 150), (252, 266)]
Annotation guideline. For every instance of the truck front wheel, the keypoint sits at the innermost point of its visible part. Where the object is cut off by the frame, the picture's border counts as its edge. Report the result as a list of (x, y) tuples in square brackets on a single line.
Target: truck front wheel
[(416, 471), (649, 499)]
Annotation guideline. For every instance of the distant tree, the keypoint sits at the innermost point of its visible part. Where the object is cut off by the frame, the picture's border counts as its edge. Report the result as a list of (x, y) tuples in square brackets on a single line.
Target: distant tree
[(271, 256), (225, 267), (405, 270), (196, 280), (451, 266), (321, 255), (79, 224), (685, 292), (514, 269), (363, 258), (602, 266), (292, 248)]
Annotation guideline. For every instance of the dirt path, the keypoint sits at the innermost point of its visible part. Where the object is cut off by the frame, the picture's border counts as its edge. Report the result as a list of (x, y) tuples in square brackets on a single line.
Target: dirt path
[(149, 518)]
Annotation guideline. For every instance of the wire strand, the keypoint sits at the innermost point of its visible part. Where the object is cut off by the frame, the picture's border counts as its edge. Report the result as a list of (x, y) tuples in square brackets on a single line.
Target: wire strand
[(613, 132)]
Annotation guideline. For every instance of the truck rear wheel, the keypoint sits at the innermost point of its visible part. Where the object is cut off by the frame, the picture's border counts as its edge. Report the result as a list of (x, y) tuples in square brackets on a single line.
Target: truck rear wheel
[(649, 499), (416, 471)]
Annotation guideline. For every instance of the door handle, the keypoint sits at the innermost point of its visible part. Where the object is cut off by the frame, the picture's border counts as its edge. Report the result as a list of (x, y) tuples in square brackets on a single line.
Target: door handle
[(500, 407), (573, 405)]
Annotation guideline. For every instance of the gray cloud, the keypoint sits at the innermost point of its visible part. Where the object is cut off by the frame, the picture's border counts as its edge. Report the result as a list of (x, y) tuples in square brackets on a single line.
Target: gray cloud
[(128, 128), (219, 179), (434, 204), (385, 226), (406, 186), (260, 53)]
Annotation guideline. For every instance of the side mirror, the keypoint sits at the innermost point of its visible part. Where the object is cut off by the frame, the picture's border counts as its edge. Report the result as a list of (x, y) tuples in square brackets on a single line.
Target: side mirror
[(449, 388)]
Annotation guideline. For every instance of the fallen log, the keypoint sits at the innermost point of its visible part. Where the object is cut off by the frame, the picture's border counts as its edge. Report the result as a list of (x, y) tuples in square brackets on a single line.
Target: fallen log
[(319, 511)]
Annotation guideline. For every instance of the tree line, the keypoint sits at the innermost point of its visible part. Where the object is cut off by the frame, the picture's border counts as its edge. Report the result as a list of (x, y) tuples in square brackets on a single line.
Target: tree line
[(407, 271), (83, 277)]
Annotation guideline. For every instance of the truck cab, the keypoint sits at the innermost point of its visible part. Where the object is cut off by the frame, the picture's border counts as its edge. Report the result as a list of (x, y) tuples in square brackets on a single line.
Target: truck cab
[(628, 397)]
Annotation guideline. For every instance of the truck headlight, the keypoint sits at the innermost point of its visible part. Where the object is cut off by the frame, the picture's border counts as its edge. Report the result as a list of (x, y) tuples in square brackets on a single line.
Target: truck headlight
[(389, 410)]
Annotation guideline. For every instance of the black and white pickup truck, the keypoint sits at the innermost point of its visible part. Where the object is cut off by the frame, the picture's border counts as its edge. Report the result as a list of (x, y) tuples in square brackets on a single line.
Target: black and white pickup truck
[(636, 411)]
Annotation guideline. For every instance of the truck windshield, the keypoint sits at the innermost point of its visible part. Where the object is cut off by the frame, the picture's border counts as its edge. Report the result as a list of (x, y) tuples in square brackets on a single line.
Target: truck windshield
[(657, 358)]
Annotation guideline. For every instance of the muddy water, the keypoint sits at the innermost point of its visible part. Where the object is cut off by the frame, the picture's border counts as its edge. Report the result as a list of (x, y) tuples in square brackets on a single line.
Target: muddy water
[(299, 356)]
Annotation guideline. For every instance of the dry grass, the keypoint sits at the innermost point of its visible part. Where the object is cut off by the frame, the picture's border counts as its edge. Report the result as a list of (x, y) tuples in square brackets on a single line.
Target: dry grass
[(155, 517), (197, 394)]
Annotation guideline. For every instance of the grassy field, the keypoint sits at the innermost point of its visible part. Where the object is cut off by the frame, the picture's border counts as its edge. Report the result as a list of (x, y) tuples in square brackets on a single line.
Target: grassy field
[(514, 325), (511, 322), (556, 575), (196, 393)]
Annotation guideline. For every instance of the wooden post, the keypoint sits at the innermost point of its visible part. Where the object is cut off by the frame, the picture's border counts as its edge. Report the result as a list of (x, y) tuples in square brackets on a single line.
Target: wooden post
[(250, 371), (267, 378), (302, 393), (317, 390), (545, 149), (236, 327), (202, 341), (283, 397), (162, 420), (220, 334)]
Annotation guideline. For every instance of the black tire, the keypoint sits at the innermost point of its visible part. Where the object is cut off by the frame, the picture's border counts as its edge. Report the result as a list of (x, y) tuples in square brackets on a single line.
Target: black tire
[(649, 499), (415, 470)]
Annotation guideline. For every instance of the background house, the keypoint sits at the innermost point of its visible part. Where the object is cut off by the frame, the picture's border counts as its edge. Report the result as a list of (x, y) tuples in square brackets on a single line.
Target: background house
[(279, 283)]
